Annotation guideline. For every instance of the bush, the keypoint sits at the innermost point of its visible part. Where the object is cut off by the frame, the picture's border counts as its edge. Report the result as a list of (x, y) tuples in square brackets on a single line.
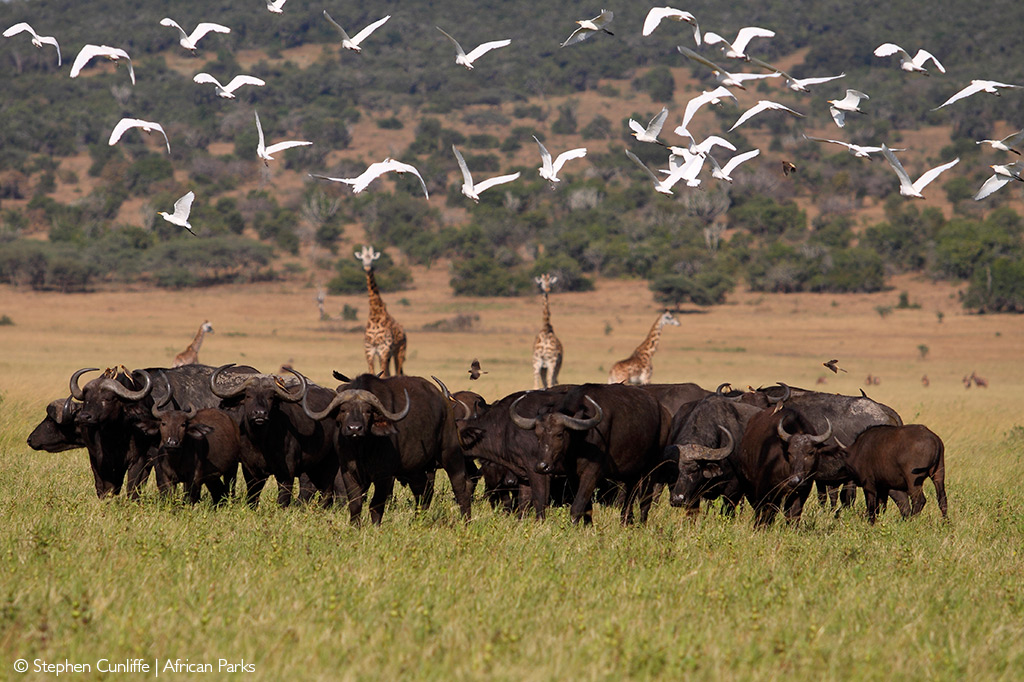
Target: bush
[(351, 279), (485, 276), (390, 123), (997, 288), (658, 83)]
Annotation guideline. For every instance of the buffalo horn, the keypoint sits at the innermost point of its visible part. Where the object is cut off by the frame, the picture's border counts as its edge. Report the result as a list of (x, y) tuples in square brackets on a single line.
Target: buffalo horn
[(519, 420), (695, 451), (65, 410), (781, 430), (451, 398), (583, 424), (786, 392), (191, 411), (289, 396), (721, 387), (128, 394), (76, 390), (226, 393), (357, 394), (825, 436), (157, 409)]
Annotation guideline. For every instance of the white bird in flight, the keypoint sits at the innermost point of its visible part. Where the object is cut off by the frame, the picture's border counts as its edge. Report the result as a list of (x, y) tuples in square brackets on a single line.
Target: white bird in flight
[(657, 14), (589, 27), (653, 129), (737, 48), (913, 189), (464, 59), (374, 171), (128, 123), (703, 147), (354, 42), (906, 62), (707, 97), (762, 105), (857, 150), (1007, 143), (37, 39), (675, 173), (228, 91), (549, 169), (1002, 175), (276, 6), (264, 152), (114, 54), (189, 40), (723, 77), (473, 190), (797, 84), (848, 104), (975, 87), (725, 172), (182, 207)]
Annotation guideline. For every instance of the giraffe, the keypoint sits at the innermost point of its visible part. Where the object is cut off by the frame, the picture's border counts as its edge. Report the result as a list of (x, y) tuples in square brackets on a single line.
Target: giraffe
[(385, 338), (547, 349), (190, 356), (637, 368)]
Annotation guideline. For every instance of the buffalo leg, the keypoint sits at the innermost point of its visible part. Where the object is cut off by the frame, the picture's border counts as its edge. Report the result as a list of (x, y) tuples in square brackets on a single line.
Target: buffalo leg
[(382, 489), (588, 475), (871, 499), (938, 477), (355, 492), (917, 499), (540, 491), (254, 484), (218, 490), (138, 473), (455, 466)]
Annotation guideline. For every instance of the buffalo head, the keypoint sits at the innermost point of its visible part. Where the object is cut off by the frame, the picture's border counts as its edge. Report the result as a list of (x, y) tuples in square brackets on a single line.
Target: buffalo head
[(700, 468), (360, 412), (259, 393), (103, 397), (553, 431), (58, 431), (801, 451)]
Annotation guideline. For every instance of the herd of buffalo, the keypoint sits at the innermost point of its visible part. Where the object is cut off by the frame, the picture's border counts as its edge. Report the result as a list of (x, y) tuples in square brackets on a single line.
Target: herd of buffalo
[(194, 425)]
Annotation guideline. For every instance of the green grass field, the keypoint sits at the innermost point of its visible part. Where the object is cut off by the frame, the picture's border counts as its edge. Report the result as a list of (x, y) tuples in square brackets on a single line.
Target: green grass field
[(298, 593)]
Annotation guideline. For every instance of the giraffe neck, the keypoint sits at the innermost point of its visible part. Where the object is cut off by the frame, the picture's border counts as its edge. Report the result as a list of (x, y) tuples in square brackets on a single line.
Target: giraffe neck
[(377, 309), (547, 314), (198, 341), (650, 344)]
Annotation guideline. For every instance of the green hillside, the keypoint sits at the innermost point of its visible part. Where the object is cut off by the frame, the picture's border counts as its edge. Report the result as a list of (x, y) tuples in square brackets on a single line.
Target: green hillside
[(76, 213)]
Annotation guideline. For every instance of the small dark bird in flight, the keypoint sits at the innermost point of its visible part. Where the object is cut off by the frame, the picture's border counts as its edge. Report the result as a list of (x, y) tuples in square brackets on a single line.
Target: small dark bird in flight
[(831, 364), (474, 370), (788, 167)]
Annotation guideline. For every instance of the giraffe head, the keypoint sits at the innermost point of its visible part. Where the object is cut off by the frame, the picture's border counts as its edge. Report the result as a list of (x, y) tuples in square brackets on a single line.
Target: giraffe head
[(206, 327), (367, 256), (545, 281), (667, 318)]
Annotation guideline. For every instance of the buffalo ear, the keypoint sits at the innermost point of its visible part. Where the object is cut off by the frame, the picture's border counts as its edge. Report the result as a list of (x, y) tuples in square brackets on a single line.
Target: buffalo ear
[(148, 427), (470, 436), (383, 427), (51, 412), (198, 431), (711, 470)]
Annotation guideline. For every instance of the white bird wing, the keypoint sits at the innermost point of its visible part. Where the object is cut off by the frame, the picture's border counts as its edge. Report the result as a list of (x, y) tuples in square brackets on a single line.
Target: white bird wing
[(655, 16), (90, 51), (491, 182), (276, 5), (458, 48), (640, 163), (712, 141), (484, 48), (167, 21), (288, 144), (816, 80), (183, 206), (577, 153), (838, 115), (399, 167), (853, 97), (825, 139), (120, 128), (748, 33), (974, 87), (712, 38), (576, 36), (349, 181), (204, 28), (203, 77), (762, 105), (241, 79), (603, 19), (889, 49), (923, 55), (344, 35), (657, 123), (933, 173), (991, 185), (738, 159), (467, 179), (740, 77), (693, 106), (637, 128), (898, 167), (1013, 138), (545, 157), (362, 35), (18, 28), (698, 58), (261, 146)]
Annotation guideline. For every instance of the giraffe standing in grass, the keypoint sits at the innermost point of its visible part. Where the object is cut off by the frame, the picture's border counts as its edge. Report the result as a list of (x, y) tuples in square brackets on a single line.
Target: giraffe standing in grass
[(190, 356), (547, 349), (637, 368), (385, 338)]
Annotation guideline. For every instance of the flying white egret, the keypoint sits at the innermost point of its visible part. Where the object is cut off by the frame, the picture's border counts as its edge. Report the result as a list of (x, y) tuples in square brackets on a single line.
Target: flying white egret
[(975, 87), (723, 77), (737, 48), (725, 172), (37, 39), (374, 171), (473, 190), (182, 207), (707, 97), (128, 123), (913, 189), (189, 40), (1002, 175), (464, 59), (906, 62), (762, 105), (857, 150), (264, 152), (848, 104), (354, 42), (228, 90), (276, 6), (589, 27), (549, 169), (675, 174), (1007, 143), (793, 83), (653, 129), (703, 147), (114, 54), (657, 14)]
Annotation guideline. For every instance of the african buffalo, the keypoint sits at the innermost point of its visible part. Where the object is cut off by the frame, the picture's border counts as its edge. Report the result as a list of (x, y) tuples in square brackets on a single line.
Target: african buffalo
[(399, 427), (57, 431), (886, 458)]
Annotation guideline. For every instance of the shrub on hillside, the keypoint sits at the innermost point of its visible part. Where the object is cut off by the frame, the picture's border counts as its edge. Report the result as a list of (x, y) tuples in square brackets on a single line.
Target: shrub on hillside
[(484, 275), (997, 288)]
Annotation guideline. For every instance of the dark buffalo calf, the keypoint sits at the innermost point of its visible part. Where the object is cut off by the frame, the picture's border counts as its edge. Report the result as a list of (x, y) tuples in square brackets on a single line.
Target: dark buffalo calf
[(885, 458)]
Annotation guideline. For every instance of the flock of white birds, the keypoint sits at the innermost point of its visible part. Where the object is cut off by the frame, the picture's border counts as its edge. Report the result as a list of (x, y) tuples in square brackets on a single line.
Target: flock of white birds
[(685, 162)]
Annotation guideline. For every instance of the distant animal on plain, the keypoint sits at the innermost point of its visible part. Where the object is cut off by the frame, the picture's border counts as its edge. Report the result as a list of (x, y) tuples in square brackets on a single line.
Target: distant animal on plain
[(190, 356)]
